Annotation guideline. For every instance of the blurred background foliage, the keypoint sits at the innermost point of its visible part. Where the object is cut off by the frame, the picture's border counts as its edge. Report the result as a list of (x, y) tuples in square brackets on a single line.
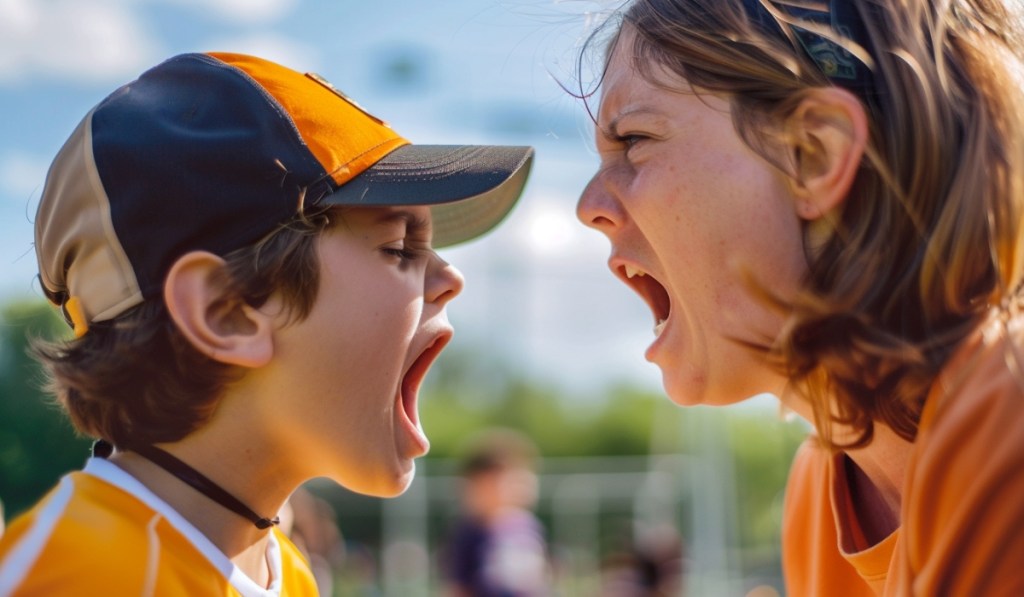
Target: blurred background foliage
[(746, 449), (37, 443)]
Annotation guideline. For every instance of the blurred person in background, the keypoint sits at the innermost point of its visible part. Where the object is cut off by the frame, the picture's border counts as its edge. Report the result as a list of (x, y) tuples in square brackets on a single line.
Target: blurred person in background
[(648, 564), (312, 525), (825, 201), (497, 547)]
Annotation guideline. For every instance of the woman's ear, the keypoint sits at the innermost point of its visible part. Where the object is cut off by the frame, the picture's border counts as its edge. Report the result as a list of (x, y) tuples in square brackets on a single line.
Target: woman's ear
[(215, 321), (827, 136)]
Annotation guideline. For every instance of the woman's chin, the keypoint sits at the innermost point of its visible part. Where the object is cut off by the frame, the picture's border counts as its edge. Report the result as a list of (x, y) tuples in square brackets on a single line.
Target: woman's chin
[(695, 391), (680, 391)]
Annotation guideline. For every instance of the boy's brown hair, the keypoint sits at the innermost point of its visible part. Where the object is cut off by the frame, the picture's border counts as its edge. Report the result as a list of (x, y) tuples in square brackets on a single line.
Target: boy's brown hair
[(137, 379)]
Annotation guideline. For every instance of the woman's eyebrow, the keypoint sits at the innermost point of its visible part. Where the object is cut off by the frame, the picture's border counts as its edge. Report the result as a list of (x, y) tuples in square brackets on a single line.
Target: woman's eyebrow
[(611, 130)]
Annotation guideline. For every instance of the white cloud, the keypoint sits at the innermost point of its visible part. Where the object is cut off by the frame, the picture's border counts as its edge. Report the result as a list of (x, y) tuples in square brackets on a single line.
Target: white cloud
[(242, 11), (280, 49), (79, 40), (22, 175), (21, 181)]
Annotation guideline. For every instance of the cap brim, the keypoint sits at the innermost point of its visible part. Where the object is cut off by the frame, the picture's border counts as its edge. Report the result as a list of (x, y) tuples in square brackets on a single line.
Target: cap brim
[(470, 188)]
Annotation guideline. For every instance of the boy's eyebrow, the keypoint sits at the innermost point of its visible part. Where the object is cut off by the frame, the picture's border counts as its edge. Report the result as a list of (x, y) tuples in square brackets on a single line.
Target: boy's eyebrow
[(414, 224)]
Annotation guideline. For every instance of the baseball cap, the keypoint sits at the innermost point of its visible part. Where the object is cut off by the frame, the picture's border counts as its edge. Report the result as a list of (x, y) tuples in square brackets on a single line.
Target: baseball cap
[(215, 151)]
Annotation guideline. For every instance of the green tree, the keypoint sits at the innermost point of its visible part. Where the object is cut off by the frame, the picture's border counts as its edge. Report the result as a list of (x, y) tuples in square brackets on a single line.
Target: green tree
[(37, 443)]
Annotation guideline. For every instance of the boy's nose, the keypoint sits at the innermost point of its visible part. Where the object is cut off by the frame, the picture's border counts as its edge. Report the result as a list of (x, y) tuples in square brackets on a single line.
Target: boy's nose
[(444, 282)]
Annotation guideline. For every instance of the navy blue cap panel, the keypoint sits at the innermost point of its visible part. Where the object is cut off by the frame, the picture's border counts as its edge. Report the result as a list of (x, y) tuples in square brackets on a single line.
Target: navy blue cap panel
[(209, 150)]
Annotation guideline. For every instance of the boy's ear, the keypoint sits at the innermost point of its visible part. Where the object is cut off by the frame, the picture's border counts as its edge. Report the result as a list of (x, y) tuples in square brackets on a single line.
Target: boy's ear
[(217, 323), (827, 135)]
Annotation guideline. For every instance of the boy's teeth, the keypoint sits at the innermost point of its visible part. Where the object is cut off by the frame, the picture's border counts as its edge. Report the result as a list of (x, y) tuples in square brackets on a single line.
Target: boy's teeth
[(632, 271), (659, 328)]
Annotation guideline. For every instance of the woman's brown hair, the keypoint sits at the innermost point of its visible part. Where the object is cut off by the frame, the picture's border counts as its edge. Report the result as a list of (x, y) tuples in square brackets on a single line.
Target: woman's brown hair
[(929, 239)]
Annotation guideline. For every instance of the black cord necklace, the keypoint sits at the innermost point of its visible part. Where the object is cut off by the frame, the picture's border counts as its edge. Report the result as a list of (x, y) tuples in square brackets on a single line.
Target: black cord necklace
[(193, 479)]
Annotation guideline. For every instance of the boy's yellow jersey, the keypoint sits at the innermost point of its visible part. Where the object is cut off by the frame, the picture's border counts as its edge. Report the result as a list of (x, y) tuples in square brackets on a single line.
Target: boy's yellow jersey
[(101, 532)]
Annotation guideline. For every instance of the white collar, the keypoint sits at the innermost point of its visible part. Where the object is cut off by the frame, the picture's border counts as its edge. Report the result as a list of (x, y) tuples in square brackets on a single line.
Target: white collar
[(118, 477)]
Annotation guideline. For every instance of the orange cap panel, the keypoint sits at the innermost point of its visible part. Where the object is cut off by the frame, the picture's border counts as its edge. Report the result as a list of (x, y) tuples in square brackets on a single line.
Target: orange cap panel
[(343, 137)]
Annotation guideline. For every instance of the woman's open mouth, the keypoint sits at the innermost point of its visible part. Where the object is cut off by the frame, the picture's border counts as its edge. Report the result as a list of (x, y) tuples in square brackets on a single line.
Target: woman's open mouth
[(649, 289)]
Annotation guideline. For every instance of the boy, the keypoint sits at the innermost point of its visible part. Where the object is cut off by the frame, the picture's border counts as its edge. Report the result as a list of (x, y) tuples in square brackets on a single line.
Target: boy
[(246, 258)]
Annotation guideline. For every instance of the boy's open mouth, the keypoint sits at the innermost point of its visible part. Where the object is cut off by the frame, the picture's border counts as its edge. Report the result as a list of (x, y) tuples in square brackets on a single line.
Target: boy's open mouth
[(649, 289), (417, 373)]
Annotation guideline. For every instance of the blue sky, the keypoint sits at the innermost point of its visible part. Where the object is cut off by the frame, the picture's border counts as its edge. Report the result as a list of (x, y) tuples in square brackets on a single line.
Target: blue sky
[(459, 71)]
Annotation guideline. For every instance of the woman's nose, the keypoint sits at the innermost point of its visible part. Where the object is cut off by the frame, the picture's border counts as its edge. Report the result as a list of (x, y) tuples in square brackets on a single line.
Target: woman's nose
[(597, 208)]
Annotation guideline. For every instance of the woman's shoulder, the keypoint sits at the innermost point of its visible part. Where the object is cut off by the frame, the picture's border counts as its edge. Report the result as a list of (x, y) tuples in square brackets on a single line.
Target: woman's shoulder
[(971, 434), (966, 473), (981, 389)]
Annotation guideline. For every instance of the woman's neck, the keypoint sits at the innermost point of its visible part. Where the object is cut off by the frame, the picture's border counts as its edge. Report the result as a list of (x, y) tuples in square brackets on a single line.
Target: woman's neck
[(874, 474)]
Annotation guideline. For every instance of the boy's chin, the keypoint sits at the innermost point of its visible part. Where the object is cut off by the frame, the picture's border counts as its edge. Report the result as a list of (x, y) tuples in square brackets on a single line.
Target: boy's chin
[(386, 487), (398, 489)]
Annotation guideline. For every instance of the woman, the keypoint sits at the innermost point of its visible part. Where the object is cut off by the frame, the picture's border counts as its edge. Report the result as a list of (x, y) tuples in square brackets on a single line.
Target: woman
[(824, 202)]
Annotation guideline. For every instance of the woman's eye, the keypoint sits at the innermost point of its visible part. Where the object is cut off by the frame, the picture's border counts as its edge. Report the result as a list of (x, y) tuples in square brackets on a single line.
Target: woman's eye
[(631, 139)]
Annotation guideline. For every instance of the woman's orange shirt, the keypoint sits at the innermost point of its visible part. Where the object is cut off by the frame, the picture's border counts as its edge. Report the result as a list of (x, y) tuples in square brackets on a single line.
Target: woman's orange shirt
[(962, 513)]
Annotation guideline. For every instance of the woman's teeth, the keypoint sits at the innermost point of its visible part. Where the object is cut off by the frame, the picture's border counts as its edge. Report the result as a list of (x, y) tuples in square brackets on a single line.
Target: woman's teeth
[(632, 271)]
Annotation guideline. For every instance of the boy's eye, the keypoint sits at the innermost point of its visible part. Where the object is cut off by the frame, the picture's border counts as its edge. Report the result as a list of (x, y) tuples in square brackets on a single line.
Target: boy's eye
[(403, 253), (407, 250)]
